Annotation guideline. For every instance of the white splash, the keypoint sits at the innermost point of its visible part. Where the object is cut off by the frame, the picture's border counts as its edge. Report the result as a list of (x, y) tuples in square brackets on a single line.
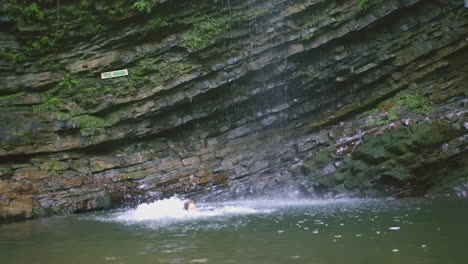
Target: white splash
[(173, 209), (168, 214)]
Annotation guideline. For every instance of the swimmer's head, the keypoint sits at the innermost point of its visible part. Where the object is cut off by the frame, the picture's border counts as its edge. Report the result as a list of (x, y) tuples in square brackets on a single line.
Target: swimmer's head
[(190, 206)]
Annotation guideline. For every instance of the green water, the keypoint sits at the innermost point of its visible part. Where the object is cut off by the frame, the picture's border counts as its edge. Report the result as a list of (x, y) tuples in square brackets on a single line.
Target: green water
[(347, 231)]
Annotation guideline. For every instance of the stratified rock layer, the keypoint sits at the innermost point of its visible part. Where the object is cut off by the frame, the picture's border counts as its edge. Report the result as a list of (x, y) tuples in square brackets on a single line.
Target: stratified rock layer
[(225, 100)]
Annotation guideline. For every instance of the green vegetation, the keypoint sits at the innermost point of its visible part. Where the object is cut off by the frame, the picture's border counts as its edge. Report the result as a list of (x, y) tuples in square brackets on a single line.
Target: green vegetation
[(206, 29), (259, 12), (86, 21), (310, 27), (83, 16), (123, 7), (53, 165), (93, 122), (26, 13), (88, 123), (144, 5), (362, 4), (44, 44), (414, 101), (155, 23), (21, 132), (118, 9), (86, 18), (384, 163), (90, 91), (410, 101), (11, 97), (48, 62), (160, 71), (67, 82), (314, 168), (322, 159), (309, 34), (13, 56), (52, 103), (392, 157)]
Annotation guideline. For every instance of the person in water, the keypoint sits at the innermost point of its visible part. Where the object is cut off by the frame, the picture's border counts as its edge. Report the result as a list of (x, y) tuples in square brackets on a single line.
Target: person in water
[(190, 206)]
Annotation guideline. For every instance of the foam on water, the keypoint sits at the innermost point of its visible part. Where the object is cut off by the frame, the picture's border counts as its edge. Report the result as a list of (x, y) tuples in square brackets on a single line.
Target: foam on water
[(172, 209), (168, 214)]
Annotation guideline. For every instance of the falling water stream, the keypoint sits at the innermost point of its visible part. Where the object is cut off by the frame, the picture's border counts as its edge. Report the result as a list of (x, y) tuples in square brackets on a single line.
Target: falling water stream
[(251, 231)]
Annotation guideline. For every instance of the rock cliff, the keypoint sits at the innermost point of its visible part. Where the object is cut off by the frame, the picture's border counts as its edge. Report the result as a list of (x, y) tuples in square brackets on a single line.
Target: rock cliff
[(226, 99)]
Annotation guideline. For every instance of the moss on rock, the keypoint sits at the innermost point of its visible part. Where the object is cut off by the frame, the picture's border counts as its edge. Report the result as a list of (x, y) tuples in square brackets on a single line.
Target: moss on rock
[(388, 164)]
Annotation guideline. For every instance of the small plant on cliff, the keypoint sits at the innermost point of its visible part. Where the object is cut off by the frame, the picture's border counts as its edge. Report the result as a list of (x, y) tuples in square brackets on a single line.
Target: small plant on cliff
[(85, 17), (155, 23), (30, 13), (155, 71), (67, 82), (41, 45), (415, 102), (93, 122), (144, 5), (13, 56), (52, 103), (362, 4), (321, 159), (205, 31), (260, 12), (411, 101), (44, 44)]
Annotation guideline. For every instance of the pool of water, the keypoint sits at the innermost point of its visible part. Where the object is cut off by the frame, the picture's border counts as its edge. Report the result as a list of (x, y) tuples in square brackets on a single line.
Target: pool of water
[(266, 231)]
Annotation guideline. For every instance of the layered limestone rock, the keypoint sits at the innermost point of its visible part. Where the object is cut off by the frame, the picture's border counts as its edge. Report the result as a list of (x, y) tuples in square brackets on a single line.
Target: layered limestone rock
[(225, 100)]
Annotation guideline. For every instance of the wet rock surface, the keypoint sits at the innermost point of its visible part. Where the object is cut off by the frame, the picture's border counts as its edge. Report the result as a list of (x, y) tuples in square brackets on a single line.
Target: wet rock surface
[(318, 98)]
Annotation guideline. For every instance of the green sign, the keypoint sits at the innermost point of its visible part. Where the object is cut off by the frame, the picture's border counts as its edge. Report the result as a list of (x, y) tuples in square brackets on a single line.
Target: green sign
[(113, 74)]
